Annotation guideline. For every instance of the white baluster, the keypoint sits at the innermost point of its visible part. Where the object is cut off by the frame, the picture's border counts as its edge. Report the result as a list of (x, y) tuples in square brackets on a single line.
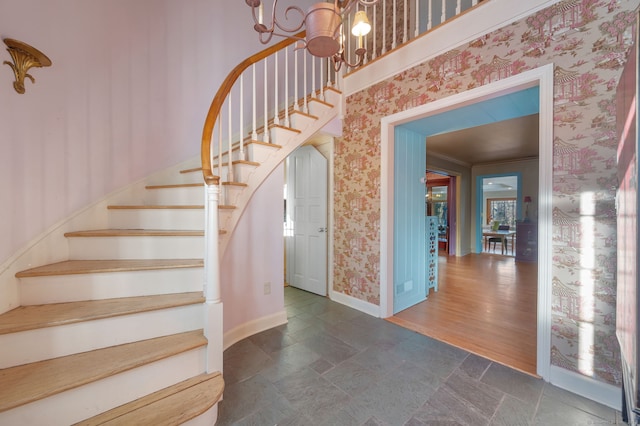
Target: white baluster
[(254, 134), (443, 18), (459, 7), (406, 22), (313, 77), (304, 89), (322, 80), (416, 33), (374, 33), (394, 42), (474, 2), (287, 123), (366, 40), (276, 77), (265, 136), (430, 17), (230, 144), (384, 26), (220, 145), (296, 100), (241, 117)]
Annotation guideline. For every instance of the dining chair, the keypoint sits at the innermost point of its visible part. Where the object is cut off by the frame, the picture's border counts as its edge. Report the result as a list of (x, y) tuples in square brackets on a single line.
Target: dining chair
[(501, 240)]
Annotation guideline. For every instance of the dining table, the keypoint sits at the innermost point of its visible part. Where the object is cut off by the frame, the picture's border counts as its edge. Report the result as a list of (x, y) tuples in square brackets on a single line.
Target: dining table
[(502, 234)]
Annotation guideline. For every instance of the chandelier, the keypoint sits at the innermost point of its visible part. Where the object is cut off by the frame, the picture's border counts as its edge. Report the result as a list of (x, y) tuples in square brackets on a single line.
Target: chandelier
[(323, 25)]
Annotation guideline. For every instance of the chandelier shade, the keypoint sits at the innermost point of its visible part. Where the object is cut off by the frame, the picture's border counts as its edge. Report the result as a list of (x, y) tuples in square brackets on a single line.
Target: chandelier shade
[(323, 23)]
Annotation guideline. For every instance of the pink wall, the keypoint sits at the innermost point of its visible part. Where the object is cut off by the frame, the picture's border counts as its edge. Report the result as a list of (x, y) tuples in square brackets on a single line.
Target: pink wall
[(255, 256), (127, 94)]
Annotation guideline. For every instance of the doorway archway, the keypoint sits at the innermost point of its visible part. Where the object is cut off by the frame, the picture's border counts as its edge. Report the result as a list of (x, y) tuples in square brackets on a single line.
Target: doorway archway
[(542, 77)]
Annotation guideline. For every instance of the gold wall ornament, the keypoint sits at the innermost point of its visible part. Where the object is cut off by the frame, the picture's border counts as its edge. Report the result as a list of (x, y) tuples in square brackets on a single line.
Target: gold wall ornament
[(24, 57)]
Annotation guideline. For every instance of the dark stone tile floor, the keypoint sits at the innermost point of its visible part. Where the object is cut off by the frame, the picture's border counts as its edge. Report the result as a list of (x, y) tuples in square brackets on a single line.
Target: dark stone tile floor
[(332, 365)]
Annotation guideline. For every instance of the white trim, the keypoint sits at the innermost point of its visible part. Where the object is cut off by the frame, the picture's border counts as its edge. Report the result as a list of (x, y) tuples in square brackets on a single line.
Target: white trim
[(485, 19), (252, 327), (601, 392), (352, 302), (542, 76)]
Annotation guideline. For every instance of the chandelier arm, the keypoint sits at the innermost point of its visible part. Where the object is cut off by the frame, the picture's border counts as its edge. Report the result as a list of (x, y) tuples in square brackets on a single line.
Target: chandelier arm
[(339, 59), (283, 27)]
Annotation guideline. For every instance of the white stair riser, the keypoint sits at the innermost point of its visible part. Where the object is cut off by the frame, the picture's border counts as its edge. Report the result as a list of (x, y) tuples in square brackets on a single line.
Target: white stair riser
[(182, 219), (151, 247), (86, 401), (301, 121), (318, 108), (332, 97), (259, 153), (190, 177), (241, 172), (53, 342), (280, 136), (109, 285), (171, 196)]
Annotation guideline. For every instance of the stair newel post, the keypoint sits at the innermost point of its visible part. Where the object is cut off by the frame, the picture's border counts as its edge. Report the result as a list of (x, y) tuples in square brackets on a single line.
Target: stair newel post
[(276, 118), (287, 122), (265, 136), (254, 133), (213, 303), (430, 15), (230, 143)]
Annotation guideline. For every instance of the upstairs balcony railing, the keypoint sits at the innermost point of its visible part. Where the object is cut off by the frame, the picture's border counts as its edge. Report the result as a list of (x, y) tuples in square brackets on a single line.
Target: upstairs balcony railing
[(396, 22)]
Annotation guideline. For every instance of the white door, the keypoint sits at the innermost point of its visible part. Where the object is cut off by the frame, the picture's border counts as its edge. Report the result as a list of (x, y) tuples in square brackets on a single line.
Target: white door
[(307, 209)]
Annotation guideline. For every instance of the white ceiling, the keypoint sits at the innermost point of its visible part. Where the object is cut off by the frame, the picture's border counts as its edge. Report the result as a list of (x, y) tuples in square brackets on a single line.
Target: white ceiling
[(494, 130)]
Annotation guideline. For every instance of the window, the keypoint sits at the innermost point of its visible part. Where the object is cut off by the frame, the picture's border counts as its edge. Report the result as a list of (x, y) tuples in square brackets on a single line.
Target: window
[(502, 210)]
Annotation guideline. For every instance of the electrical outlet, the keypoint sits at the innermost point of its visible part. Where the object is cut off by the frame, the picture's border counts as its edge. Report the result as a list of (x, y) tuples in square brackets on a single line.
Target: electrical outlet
[(267, 288)]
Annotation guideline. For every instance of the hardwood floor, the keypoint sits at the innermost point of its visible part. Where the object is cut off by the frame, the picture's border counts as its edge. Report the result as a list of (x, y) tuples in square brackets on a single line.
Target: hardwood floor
[(486, 304)]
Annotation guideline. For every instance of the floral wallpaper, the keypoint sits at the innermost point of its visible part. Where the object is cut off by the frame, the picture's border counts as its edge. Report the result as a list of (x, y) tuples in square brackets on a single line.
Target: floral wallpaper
[(588, 42)]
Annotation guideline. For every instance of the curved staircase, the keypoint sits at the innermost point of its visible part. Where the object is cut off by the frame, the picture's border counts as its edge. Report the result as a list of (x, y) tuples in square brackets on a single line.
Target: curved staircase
[(121, 332)]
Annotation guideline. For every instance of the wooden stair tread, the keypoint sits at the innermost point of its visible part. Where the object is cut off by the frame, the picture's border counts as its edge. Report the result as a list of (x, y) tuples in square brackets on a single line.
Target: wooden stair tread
[(321, 101), (195, 169), (31, 382), (155, 207), (280, 126), (32, 317), (135, 233), (177, 185), (235, 184), (72, 267), (170, 406)]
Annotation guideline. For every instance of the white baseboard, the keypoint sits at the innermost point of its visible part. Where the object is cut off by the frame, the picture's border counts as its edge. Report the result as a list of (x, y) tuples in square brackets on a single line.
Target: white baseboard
[(605, 394), (253, 327), (352, 302)]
